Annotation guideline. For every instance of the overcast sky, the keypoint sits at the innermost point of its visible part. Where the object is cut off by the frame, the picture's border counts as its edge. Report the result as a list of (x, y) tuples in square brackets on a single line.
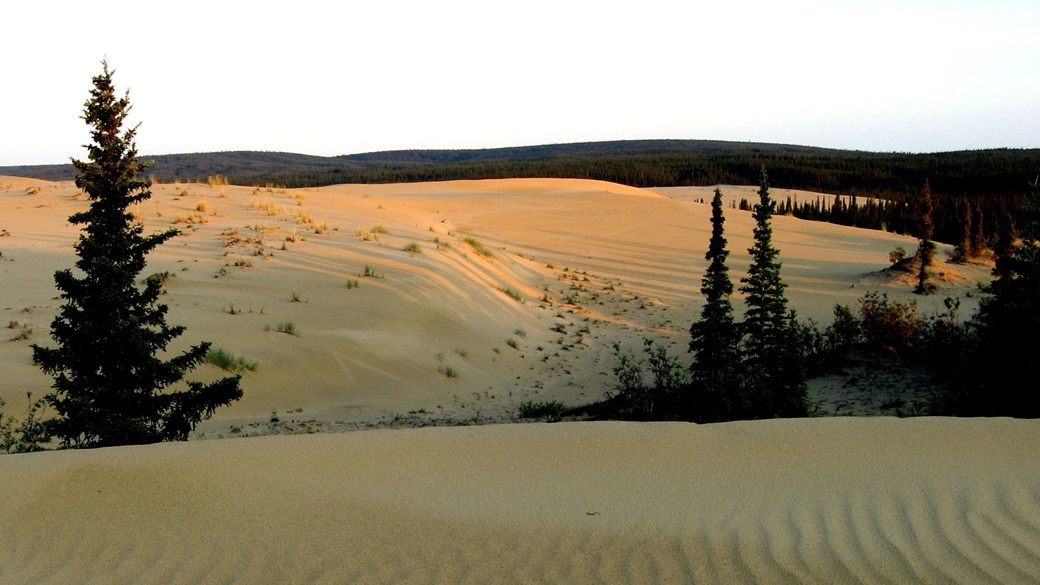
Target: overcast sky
[(332, 78)]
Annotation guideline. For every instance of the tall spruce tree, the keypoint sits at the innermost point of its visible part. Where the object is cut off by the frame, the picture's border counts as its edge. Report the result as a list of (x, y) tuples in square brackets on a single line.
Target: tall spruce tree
[(110, 385), (1001, 366), (926, 247), (772, 365), (715, 386)]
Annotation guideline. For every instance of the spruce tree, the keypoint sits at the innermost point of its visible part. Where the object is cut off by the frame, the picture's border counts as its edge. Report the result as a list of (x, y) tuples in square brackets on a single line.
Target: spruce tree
[(110, 385), (772, 365), (926, 247), (1005, 357), (715, 386)]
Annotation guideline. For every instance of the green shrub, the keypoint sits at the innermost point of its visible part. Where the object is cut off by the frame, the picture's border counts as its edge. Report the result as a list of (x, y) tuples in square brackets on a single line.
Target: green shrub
[(552, 411)]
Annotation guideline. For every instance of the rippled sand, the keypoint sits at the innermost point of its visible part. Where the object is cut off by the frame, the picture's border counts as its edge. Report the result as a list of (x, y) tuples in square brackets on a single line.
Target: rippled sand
[(790, 501)]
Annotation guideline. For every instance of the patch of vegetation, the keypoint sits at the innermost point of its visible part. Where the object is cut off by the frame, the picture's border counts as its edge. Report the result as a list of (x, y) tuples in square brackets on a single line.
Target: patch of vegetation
[(513, 294), (288, 327), (479, 248), (370, 272), (413, 248), (552, 411), (228, 361)]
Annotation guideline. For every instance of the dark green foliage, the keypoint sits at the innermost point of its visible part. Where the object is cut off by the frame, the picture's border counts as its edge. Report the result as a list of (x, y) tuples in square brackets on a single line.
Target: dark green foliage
[(965, 249), (926, 247), (636, 398), (888, 325), (774, 373), (552, 411), (1004, 348), (714, 338), (27, 435), (109, 380)]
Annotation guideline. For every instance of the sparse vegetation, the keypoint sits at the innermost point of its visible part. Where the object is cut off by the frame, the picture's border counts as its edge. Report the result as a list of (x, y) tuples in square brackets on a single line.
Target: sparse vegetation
[(288, 327), (228, 361), (513, 294), (413, 248), (552, 411), (479, 248), (370, 272)]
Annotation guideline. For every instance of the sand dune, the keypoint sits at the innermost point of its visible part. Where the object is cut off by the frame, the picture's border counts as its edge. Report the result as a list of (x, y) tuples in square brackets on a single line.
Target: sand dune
[(876, 500), (518, 291), (590, 262)]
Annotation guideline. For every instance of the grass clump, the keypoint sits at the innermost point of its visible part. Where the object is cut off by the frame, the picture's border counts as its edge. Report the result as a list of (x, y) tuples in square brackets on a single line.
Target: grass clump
[(513, 343), (449, 371), (479, 248), (288, 327), (552, 411), (513, 294), (352, 283), (413, 248), (228, 361), (370, 272)]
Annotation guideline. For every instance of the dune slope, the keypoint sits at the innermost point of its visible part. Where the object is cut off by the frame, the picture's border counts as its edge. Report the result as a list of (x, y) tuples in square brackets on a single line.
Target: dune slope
[(508, 291)]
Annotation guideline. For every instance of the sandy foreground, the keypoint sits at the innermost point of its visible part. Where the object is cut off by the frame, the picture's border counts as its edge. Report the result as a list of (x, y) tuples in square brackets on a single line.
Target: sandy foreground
[(832, 500), (453, 333)]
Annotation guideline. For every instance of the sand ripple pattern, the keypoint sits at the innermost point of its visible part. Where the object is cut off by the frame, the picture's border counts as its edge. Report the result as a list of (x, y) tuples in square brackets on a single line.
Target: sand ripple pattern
[(805, 501)]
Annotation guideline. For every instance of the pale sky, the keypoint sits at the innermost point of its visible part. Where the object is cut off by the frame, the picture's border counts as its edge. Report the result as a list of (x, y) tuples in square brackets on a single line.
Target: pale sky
[(330, 78)]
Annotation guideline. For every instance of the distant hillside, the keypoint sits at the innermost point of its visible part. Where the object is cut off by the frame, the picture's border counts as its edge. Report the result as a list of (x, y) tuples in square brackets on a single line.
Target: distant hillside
[(992, 183), (640, 163)]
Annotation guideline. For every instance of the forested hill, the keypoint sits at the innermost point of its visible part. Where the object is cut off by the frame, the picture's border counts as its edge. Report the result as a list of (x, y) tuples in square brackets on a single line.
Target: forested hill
[(641, 163)]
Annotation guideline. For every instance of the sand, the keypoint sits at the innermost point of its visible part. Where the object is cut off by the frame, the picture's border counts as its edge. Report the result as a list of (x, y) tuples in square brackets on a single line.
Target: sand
[(575, 266), (868, 500), (570, 267)]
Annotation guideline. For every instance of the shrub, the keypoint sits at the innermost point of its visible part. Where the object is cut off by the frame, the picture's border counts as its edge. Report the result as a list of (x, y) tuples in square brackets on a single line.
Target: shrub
[(413, 248), (643, 401), (897, 256), (889, 325), (26, 436), (552, 411)]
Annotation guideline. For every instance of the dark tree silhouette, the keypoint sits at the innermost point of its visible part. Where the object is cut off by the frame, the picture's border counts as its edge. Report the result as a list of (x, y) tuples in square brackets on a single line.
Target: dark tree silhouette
[(1001, 366), (715, 386), (109, 381), (772, 366), (926, 247)]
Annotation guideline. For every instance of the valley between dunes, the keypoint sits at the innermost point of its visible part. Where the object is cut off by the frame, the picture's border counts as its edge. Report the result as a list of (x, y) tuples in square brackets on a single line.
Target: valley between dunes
[(513, 290)]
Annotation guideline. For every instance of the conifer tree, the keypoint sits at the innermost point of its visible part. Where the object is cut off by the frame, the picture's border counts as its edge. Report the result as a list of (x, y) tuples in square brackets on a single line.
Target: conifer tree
[(110, 384), (964, 250), (775, 378), (1006, 356), (926, 247), (715, 386)]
